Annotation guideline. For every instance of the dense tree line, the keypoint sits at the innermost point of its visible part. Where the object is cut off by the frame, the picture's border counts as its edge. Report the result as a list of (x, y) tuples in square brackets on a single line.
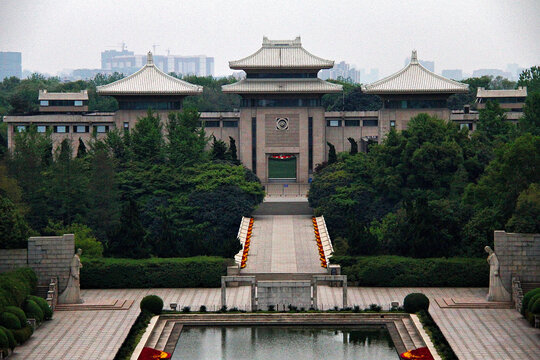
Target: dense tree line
[(140, 193), (434, 190)]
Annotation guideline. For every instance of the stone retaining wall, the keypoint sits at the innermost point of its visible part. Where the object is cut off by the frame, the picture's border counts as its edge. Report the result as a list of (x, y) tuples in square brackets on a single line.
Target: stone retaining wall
[(519, 256), (48, 256)]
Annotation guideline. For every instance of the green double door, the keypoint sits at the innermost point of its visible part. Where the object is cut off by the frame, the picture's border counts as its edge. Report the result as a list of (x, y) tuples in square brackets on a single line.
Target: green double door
[(282, 169)]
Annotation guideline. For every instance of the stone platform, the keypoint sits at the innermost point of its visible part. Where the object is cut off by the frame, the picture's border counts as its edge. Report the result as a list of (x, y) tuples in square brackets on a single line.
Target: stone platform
[(113, 304)]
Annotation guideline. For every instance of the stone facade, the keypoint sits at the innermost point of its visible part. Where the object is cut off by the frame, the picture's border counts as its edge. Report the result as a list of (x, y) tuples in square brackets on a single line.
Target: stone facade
[(281, 294), (519, 256), (48, 256)]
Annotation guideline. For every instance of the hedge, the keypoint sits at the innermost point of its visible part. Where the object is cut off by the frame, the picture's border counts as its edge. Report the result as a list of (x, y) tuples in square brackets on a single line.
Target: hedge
[(114, 273), (402, 271), (526, 299), (15, 286), (10, 337), (9, 320), (43, 305), (33, 311)]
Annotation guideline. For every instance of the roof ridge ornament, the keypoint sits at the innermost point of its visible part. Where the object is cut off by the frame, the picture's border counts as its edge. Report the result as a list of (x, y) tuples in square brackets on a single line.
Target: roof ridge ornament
[(149, 59), (414, 57)]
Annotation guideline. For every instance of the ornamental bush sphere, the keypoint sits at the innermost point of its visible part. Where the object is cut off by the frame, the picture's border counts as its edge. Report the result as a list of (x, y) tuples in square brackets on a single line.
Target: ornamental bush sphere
[(32, 310), (4, 341), (23, 334), (10, 321), (533, 300), (10, 336), (43, 305), (18, 312), (415, 302), (527, 298), (152, 304), (535, 308)]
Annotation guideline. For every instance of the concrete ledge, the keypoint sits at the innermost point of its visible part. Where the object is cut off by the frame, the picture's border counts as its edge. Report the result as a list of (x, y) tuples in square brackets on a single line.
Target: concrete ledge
[(425, 337), (144, 338)]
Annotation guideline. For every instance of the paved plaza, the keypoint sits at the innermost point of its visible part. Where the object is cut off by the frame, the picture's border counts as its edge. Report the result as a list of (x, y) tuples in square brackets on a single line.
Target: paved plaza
[(477, 334), (283, 244)]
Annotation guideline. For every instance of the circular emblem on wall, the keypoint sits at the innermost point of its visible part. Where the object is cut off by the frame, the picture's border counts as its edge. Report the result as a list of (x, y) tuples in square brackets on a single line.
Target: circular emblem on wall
[(282, 124)]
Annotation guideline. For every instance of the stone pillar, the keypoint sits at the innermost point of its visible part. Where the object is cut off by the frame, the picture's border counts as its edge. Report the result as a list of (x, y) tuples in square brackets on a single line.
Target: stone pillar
[(344, 292), (314, 285), (223, 291), (253, 298)]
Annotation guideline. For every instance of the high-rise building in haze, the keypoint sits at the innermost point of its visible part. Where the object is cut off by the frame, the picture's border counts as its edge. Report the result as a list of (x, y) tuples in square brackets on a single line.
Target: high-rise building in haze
[(428, 64), (127, 62), (10, 64), (454, 74), (341, 70), (369, 77), (491, 72)]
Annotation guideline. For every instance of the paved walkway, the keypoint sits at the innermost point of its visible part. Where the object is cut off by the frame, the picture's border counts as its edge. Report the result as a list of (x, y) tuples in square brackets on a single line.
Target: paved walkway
[(472, 333), (283, 244)]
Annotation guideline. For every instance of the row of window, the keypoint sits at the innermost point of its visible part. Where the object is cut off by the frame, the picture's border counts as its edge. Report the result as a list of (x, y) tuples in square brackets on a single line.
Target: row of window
[(310, 75), (154, 105), (366, 122), (62, 129), (280, 102), (62, 103), (502, 100), (415, 104), (215, 123)]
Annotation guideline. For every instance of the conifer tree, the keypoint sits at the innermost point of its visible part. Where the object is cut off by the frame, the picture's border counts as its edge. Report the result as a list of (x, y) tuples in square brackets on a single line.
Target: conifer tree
[(332, 156), (354, 146), (81, 151)]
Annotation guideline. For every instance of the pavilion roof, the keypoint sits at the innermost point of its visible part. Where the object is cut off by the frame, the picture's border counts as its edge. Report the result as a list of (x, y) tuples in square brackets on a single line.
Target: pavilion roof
[(415, 79), (149, 80), (281, 54), (276, 86)]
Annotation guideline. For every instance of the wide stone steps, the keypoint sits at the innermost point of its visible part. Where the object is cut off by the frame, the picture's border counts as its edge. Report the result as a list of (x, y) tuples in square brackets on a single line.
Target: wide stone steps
[(165, 334), (115, 305), (156, 333), (411, 331), (462, 303), (404, 334)]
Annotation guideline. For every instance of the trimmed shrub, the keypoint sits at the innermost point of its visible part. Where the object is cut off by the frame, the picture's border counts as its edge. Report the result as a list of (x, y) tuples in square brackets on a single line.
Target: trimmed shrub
[(400, 271), (532, 301), (153, 304), (535, 308), (23, 334), (415, 302), (113, 273), (134, 336), (15, 286), (10, 321), (10, 336), (42, 303), (527, 298), (32, 310), (17, 312), (4, 341)]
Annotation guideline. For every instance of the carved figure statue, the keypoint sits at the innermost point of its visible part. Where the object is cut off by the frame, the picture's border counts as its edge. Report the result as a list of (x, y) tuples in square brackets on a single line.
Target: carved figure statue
[(72, 293), (497, 292)]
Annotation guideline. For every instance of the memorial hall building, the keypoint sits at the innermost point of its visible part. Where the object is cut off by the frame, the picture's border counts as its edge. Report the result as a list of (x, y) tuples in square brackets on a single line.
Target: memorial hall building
[(281, 129)]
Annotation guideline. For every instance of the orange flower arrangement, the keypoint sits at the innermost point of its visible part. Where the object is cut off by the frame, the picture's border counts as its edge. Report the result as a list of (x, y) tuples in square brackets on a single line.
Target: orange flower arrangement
[(319, 243), (151, 354), (246, 244), (422, 353)]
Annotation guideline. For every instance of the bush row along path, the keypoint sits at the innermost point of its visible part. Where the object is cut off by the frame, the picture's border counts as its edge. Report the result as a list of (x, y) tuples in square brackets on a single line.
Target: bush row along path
[(472, 333)]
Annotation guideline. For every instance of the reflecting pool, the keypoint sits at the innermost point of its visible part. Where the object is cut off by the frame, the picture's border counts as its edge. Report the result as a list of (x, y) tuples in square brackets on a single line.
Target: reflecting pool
[(284, 343)]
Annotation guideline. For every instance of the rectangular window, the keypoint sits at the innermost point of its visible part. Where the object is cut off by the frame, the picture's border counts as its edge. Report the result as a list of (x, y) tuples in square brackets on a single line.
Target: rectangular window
[(467, 126), (21, 128), (44, 103), (230, 123), (333, 123), (254, 145), (352, 122), (81, 129), (403, 104), (101, 129), (310, 144), (61, 129), (371, 122), (392, 123), (211, 123), (126, 125), (78, 103), (41, 128)]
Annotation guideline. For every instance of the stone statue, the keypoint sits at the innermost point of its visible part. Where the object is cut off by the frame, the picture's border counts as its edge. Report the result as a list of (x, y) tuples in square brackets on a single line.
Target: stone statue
[(72, 294), (497, 292)]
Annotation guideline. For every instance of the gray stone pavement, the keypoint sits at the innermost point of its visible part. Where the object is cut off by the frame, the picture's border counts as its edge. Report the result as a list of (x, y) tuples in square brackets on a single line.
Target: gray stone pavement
[(472, 333), (283, 244)]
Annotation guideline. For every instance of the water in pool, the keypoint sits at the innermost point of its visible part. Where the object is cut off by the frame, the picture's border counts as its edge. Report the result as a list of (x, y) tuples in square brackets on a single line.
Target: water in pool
[(284, 343)]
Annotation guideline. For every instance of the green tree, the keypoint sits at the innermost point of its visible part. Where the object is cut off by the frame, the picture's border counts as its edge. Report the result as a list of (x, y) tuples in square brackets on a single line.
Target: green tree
[(14, 230), (493, 124), (527, 213), (147, 139), (219, 149), (233, 152), (84, 237), (129, 239), (354, 146), (531, 79), (530, 122), (81, 150), (186, 139)]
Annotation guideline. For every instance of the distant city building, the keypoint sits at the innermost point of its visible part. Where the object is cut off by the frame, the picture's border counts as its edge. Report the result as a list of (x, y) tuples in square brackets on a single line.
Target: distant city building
[(369, 77), (515, 70), (127, 62), (10, 64), (491, 72), (430, 65), (341, 70), (84, 74), (454, 74)]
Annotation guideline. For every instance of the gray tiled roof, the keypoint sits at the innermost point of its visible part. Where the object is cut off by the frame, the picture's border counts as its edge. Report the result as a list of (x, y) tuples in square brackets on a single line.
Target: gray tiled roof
[(281, 54), (282, 86), (45, 95), (149, 80), (519, 92), (415, 78)]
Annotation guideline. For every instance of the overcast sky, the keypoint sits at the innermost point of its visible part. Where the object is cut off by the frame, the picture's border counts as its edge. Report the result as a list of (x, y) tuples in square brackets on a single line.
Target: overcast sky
[(465, 34)]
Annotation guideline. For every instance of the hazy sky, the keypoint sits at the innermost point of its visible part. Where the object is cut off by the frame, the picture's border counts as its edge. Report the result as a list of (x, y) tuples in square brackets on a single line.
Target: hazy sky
[(468, 34)]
